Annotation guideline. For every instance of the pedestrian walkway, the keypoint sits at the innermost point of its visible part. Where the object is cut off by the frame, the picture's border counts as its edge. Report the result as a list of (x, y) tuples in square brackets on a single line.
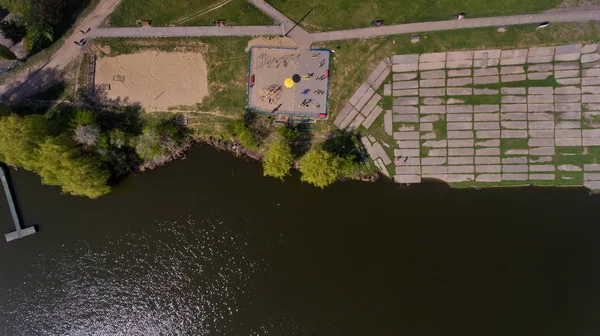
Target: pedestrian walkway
[(186, 31)]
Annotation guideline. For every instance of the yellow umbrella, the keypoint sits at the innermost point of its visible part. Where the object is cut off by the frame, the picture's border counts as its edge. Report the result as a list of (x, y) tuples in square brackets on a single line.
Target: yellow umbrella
[(289, 83)]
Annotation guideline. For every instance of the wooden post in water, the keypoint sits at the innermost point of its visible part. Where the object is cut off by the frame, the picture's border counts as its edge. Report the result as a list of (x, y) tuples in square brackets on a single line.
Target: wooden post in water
[(18, 233)]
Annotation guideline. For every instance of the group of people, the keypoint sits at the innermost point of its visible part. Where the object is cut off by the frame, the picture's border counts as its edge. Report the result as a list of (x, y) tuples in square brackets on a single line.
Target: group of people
[(82, 42)]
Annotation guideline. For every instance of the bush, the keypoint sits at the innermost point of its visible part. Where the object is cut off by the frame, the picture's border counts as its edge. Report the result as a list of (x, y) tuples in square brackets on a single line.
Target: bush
[(278, 159), (6, 54), (320, 168), (13, 31), (243, 134)]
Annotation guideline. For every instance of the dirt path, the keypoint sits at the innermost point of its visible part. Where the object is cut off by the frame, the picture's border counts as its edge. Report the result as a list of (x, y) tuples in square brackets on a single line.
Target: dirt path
[(26, 83)]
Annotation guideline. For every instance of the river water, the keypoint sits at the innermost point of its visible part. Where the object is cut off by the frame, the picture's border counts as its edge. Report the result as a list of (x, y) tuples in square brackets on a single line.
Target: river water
[(207, 246)]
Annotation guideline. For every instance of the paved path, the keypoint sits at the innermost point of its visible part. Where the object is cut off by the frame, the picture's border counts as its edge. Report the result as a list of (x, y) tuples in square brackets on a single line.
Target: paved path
[(559, 16), (186, 31), (27, 83), (302, 38)]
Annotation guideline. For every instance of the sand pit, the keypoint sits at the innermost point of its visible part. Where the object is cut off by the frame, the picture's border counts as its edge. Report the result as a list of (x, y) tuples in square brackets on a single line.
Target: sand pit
[(155, 80)]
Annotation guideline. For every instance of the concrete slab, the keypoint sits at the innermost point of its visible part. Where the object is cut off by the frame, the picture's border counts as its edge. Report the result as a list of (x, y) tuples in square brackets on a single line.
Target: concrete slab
[(484, 126), (541, 142), (567, 57), (459, 108), (400, 170), (461, 152), (405, 109), (370, 150), (566, 73), (589, 48), (540, 107), (343, 114), (408, 144), (514, 107), (567, 107), (459, 91), (571, 81), (405, 85), (407, 118), (459, 73), (387, 89), (460, 143), (568, 124), (542, 159), (540, 67), (489, 178), (541, 125), (435, 74), (486, 72), (590, 89), (541, 90), (459, 117), (494, 168), (433, 101), (541, 116), (428, 136), (540, 99), (540, 59), (425, 83), (405, 59), (429, 118), (542, 151), (382, 154), (486, 108), (435, 143), (432, 66), (510, 70), (405, 67), (433, 57), (460, 134), (487, 160), (513, 116), (360, 92), (509, 134), (590, 58), (487, 117), (349, 118), (541, 168), (566, 66), (398, 77), (515, 53), (433, 109), (371, 118), (487, 152), (488, 143), (514, 160), (459, 64), (567, 98), (380, 69), (488, 134), (538, 75), (438, 152), (569, 115), (431, 170), (515, 168), (459, 55), (461, 169), (484, 63), (365, 98), (592, 185), (591, 177), (479, 54), (460, 160), (366, 110), (513, 78), (406, 101), (541, 133), (453, 101), (459, 126), (568, 142), (486, 80), (486, 92), (541, 51), (591, 141), (413, 161), (590, 98), (589, 81), (407, 179), (542, 177), (356, 122), (591, 167), (568, 133), (433, 161), (514, 99), (514, 124), (460, 81), (569, 90), (514, 177), (407, 92), (412, 152), (406, 135), (592, 72), (437, 92)]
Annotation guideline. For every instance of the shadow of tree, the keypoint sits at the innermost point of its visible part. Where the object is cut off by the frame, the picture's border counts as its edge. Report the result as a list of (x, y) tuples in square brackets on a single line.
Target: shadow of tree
[(344, 144), (35, 82)]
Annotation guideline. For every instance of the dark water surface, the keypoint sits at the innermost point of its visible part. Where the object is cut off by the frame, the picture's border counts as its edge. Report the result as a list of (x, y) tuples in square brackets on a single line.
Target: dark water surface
[(207, 246)]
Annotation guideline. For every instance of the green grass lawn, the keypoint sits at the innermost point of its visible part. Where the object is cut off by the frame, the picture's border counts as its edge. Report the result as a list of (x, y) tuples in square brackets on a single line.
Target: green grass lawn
[(345, 14), (187, 13)]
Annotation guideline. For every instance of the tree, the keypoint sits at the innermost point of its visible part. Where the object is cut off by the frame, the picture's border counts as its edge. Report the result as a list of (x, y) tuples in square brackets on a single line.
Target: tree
[(155, 148), (20, 137), (320, 168), (118, 138), (86, 135), (278, 159), (62, 164), (13, 31)]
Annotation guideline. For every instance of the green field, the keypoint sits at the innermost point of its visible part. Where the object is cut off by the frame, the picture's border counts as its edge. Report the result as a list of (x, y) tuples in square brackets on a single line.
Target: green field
[(187, 13), (345, 14)]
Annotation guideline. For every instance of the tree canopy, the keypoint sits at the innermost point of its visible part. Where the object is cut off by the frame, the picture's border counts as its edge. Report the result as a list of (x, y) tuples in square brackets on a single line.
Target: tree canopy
[(278, 159), (320, 168), (20, 137)]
